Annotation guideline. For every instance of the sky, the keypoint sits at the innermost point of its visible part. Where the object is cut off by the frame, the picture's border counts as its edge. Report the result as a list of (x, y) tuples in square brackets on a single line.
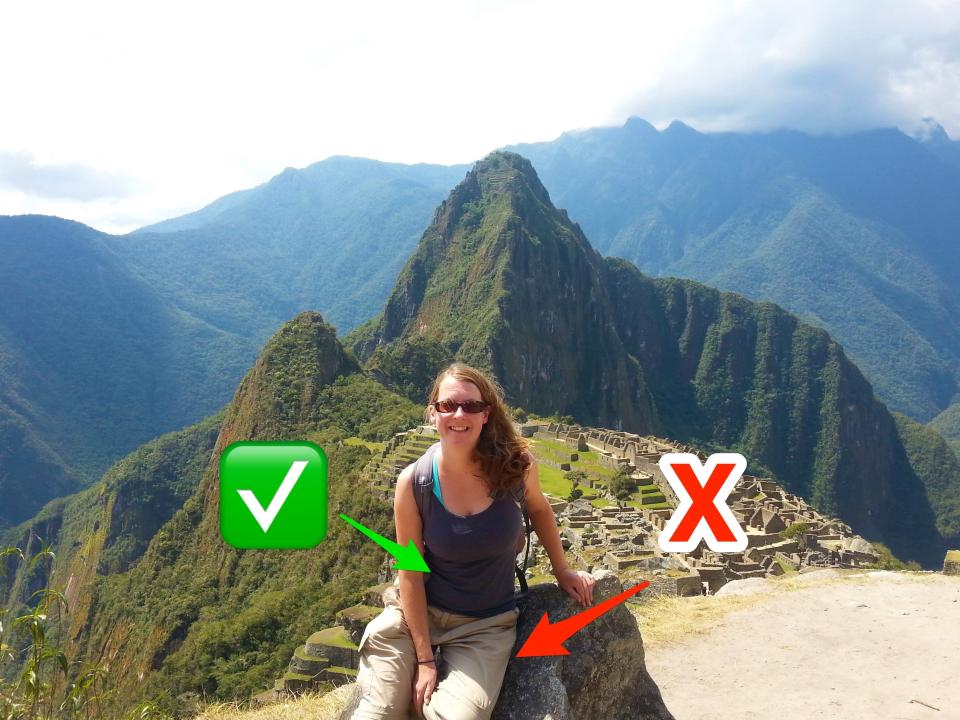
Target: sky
[(119, 114)]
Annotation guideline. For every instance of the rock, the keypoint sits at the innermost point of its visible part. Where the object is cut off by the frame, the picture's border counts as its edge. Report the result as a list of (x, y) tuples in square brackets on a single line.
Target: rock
[(604, 676), (750, 586), (951, 563), (858, 544), (580, 507)]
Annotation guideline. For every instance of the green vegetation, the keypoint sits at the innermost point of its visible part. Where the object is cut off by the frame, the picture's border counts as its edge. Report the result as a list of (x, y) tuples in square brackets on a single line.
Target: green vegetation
[(947, 424), (93, 362), (500, 279), (886, 560), (622, 485), (331, 237), (38, 680), (496, 262), (106, 528), (554, 482), (222, 622), (936, 465), (795, 530), (372, 445), (854, 234)]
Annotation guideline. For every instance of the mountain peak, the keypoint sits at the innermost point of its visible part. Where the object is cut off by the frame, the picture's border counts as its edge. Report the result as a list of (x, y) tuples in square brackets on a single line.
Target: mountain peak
[(275, 398), (504, 280), (678, 127), (507, 172), (932, 132)]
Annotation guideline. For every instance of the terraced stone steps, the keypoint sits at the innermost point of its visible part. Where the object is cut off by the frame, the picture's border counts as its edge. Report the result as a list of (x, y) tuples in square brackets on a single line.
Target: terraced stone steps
[(401, 450)]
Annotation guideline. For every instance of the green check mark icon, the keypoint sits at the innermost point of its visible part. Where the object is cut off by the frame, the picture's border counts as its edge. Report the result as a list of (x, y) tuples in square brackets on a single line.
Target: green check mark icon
[(266, 516)]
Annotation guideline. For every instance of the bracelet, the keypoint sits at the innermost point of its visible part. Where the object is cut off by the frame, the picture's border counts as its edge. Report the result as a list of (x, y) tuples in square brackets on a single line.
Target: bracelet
[(426, 662)]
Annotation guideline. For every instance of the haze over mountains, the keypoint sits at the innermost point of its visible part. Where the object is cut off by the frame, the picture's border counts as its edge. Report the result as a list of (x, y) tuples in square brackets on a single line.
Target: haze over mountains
[(331, 237)]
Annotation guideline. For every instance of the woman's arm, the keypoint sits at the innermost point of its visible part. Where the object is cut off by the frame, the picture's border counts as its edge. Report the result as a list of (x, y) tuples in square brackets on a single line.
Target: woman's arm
[(413, 597), (578, 584)]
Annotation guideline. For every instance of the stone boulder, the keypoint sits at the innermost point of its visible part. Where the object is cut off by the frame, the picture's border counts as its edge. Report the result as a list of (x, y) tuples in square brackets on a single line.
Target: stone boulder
[(951, 563), (859, 545), (604, 676)]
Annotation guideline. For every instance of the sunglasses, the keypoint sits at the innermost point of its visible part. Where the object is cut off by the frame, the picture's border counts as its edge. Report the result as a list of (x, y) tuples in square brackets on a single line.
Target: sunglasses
[(470, 407)]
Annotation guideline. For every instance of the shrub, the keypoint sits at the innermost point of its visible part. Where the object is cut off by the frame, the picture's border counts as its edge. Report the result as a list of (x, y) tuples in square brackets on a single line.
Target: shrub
[(37, 680), (795, 529), (622, 485)]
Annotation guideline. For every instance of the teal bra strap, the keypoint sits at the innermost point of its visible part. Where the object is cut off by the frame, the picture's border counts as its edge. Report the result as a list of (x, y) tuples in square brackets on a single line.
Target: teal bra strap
[(436, 480)]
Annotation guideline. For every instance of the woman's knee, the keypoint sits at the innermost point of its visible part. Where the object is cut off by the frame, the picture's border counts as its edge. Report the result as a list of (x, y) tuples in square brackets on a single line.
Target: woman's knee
[(387, 629)]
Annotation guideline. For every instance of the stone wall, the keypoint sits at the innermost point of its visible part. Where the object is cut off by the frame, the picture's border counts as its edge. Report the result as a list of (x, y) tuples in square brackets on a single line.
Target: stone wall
[(951, 563)]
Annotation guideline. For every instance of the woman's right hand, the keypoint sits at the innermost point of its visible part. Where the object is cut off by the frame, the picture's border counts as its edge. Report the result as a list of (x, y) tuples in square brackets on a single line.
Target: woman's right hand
[(424, 683)]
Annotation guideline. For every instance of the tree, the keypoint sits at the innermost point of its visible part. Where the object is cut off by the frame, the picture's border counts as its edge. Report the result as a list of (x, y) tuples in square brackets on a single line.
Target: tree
[(621, 485)]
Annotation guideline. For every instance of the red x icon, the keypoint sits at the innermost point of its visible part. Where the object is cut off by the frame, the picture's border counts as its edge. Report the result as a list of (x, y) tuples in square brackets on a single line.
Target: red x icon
[(703, 513)]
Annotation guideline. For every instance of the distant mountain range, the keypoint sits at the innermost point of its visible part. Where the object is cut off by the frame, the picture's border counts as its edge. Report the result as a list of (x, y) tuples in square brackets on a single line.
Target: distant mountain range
[(503, 279), (855, 234), (93, 361), (331, 237)]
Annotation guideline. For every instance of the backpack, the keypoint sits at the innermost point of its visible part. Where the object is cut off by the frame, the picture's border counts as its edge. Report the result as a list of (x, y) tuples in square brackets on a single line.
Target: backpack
[(423, 494)]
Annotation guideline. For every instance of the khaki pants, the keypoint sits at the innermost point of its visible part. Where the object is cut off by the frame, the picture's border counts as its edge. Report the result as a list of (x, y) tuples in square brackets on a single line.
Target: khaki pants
[(474, 654)]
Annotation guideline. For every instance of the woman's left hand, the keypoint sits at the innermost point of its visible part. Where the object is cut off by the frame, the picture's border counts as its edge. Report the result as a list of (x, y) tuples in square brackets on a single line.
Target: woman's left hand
[(578, 584)]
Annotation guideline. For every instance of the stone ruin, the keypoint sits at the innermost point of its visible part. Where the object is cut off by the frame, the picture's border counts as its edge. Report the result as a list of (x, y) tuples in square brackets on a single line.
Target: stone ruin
[(784, 533), (951, 563)]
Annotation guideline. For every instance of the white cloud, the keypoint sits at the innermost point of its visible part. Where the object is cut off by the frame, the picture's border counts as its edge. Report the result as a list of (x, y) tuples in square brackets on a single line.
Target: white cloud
[(194, 100), (817, 66), (20, 172)]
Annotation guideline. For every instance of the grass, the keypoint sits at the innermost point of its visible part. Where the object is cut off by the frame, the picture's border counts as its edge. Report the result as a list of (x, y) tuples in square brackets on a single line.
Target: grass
[(334, 637), (552, 450), (554, 481), (370, 445), (591, 460), (650, 506), (316, 707), (785, 566)]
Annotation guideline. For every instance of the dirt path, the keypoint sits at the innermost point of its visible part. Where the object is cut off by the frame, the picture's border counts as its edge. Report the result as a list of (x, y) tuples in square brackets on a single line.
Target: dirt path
[(852, 647)]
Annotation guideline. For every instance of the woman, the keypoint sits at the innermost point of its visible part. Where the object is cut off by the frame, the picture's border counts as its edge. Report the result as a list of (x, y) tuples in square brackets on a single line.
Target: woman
[(467, 531)]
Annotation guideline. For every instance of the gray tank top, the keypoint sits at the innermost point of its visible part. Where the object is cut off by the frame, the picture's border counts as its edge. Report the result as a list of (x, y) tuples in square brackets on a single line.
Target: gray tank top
[(471, 558)]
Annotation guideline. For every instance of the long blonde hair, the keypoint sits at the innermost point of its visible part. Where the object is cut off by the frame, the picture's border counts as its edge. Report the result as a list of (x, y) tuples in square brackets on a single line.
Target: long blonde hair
[(502, 453)]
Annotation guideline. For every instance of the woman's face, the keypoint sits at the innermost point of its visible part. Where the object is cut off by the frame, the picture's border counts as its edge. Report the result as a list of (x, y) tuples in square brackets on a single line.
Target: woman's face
[(459, 427)]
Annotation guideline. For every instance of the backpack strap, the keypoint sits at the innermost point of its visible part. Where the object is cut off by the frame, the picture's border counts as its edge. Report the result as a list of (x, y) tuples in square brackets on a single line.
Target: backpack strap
[(520, 495), (423, 480)]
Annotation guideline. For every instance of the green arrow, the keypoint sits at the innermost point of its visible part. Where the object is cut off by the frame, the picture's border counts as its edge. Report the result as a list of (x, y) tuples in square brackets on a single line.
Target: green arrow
[(407, 558)]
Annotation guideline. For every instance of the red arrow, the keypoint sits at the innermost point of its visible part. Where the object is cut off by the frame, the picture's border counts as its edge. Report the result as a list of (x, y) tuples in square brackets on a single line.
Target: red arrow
[(547, 639)]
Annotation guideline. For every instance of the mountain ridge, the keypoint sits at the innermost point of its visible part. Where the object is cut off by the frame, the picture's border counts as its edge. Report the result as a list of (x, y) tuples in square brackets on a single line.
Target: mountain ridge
[(92, 361)]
